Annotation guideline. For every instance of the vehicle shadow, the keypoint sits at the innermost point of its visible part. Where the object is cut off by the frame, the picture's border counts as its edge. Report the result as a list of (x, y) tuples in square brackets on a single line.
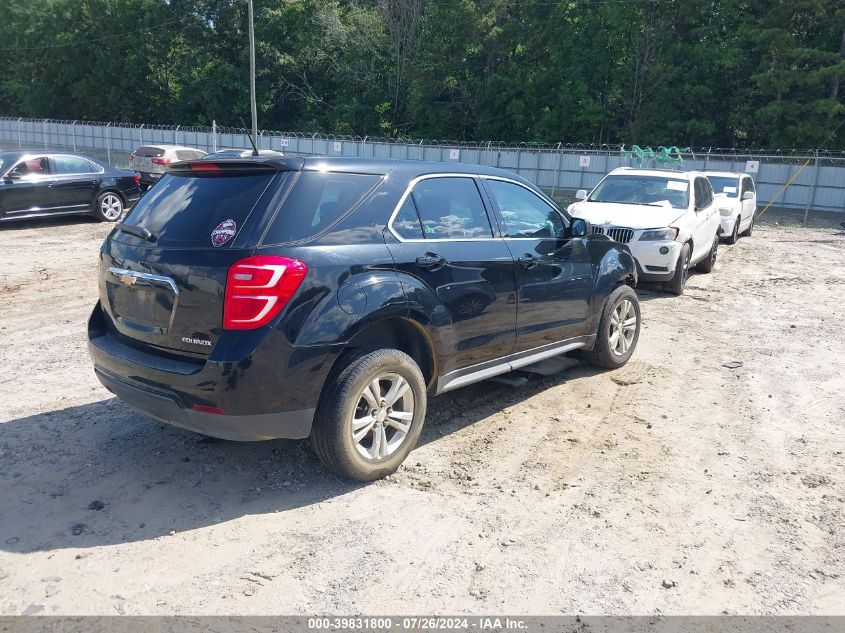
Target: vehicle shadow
[(101, 474), (47, 222)]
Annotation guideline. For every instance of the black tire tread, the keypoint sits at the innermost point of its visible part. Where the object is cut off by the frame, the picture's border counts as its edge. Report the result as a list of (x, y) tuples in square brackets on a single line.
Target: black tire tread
[(326, 431), (676, 286), (707, 264), (734, 236)]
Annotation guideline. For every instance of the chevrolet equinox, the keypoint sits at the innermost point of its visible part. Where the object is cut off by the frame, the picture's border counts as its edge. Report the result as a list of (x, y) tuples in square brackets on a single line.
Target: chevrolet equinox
[(287, 297)]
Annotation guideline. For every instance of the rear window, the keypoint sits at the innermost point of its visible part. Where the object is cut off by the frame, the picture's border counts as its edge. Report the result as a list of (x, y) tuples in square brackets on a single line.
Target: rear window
[(724, 185), (316, 201), (149, 151), (183, 210), (188, 154)]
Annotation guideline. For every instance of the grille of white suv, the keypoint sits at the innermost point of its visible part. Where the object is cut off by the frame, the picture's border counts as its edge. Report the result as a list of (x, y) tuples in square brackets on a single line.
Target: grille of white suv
[(620, 234)]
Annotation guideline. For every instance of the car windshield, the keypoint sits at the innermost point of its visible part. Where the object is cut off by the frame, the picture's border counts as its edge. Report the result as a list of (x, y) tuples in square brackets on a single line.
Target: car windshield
[(725, 185), (660, 191)]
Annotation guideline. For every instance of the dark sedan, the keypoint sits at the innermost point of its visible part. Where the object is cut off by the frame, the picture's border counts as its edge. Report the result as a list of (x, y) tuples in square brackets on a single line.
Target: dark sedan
[(34, 184)]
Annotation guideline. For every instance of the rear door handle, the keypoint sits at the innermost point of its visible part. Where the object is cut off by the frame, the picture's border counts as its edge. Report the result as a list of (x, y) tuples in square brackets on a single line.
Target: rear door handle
[(431, 261), (528, 260)]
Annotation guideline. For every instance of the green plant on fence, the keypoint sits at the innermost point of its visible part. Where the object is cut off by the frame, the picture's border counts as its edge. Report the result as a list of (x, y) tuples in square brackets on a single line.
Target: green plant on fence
[(663, 155)]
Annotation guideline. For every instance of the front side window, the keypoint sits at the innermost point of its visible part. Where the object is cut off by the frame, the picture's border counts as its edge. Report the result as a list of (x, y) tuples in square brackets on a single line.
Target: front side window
[(71, 165), (31, 167), (448, 208), (525, 214), (658, 191), (703, 193)]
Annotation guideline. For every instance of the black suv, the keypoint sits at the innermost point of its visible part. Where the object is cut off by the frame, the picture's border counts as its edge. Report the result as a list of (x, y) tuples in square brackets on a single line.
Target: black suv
[(259, 298)]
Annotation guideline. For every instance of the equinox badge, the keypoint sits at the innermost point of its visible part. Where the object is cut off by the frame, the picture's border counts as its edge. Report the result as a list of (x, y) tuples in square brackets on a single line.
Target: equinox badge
[(196, 341)]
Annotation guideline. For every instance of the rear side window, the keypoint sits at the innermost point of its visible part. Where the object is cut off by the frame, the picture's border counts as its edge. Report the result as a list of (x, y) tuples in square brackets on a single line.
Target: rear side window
[(315, 202), (447, 208), (149, 151), (72, 165), (182, 211)]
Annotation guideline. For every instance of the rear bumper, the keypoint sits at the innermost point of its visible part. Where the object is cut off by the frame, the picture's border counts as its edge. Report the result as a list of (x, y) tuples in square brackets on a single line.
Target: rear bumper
[(165, 406), (264, 387), (150, 178)]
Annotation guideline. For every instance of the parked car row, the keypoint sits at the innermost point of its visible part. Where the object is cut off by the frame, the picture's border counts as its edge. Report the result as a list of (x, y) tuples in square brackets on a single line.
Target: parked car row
[(670, 220), (257, 297)]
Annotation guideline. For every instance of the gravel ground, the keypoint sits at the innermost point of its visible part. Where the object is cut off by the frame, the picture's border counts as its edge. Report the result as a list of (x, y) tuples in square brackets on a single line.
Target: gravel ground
[(675, 485)]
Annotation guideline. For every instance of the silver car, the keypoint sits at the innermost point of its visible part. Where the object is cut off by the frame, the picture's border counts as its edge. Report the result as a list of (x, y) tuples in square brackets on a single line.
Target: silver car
[(151, 161)]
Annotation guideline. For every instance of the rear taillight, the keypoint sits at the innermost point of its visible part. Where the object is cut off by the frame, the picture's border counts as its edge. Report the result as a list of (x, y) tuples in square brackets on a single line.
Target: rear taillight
[(257, 288), (137, 179), (160, 161)]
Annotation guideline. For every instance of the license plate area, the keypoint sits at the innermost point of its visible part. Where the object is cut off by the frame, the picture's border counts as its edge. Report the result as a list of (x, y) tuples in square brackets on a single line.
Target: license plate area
[(142, 301)]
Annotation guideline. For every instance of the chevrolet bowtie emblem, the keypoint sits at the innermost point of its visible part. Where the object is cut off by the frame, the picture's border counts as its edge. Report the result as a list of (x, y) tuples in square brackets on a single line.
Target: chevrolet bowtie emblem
[(128, 279)]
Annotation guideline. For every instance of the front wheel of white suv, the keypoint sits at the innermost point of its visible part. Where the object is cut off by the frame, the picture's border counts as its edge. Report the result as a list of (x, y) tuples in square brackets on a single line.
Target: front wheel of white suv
[(679, 281), (619, 330)]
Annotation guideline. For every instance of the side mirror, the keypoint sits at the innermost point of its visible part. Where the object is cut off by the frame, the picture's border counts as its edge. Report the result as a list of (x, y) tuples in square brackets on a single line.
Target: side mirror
[(579, 228), (748, 195), (581, 194)]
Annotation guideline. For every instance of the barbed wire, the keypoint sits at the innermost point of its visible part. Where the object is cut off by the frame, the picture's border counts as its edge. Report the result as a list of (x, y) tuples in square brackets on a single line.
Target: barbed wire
[(490, 145)]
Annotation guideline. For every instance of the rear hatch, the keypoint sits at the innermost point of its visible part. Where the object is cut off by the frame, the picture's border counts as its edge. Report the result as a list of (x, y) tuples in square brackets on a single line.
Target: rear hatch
[(163, 271), (142, 159)]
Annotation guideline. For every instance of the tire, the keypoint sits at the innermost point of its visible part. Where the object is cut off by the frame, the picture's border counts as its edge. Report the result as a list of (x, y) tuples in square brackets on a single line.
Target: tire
[(676, 286), (734, 236), (108, 207), (747, 232), (707, 264), (613, 348), (383, 446)]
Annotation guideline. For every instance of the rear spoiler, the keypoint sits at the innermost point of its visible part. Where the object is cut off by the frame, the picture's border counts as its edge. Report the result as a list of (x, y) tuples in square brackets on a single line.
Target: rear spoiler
[(235, 166)]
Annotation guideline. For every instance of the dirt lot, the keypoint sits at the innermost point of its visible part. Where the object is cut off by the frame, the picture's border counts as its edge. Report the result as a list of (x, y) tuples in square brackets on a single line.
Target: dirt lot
[(584, 492)]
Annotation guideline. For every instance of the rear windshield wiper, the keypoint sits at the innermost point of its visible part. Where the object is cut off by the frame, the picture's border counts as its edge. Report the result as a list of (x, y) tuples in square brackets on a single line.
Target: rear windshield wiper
[(137, 231)]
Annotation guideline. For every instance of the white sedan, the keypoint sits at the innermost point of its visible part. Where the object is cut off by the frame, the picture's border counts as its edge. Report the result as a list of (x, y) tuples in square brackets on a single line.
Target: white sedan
[(669, 220), (736, 197)]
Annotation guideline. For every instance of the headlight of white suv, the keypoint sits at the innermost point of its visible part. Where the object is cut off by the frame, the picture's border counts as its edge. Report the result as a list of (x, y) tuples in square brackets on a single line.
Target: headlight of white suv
[(655, 235)]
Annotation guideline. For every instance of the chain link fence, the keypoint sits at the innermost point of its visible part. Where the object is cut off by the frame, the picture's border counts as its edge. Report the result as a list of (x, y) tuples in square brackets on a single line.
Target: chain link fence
[(793, 187)]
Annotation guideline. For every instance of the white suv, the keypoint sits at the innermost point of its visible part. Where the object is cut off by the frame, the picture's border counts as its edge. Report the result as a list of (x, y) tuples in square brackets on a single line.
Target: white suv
[(736, 197), (669, 219)]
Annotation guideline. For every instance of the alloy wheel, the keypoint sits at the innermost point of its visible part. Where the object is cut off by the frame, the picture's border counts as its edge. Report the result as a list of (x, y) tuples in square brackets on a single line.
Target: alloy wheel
[(383, 416), (623, 327), (111, 206)]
